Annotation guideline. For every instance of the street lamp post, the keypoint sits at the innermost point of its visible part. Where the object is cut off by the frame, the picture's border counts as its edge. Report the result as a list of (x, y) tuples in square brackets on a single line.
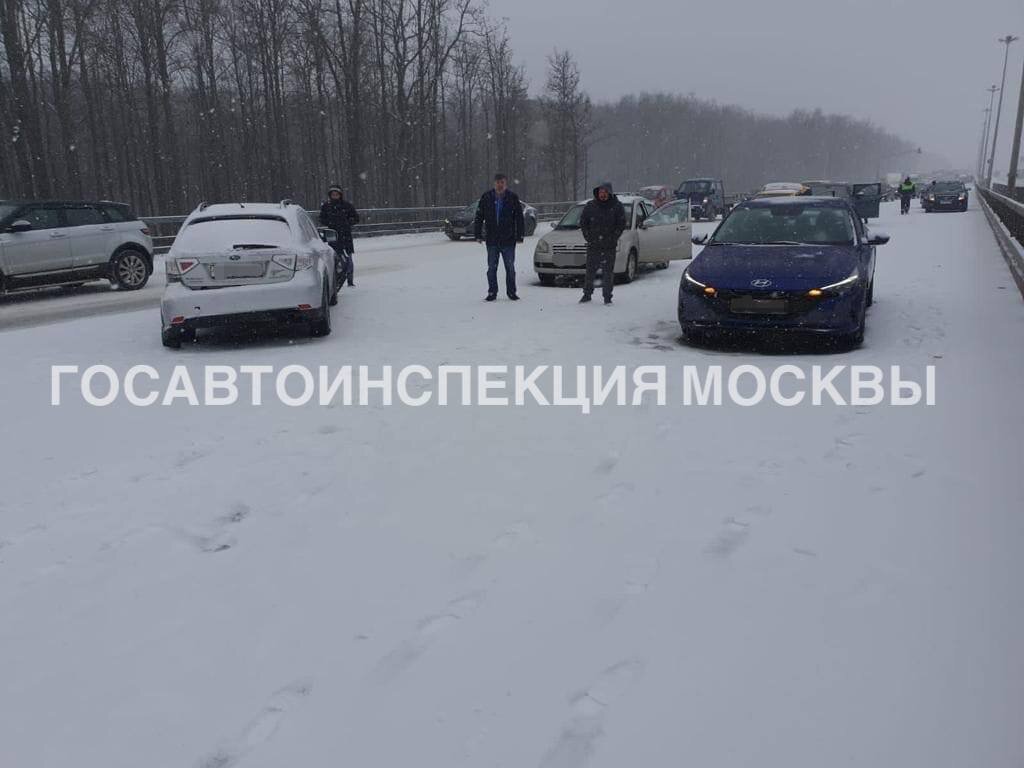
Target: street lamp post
[(1015, 152), (979, 165), (999, 111), (984, 152)]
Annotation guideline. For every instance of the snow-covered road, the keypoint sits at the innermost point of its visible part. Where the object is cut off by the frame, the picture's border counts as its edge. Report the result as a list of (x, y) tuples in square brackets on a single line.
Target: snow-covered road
[(466, 586)]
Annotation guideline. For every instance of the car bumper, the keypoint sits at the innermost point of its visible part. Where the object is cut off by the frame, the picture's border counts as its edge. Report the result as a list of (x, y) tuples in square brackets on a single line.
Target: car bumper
[(838, 315), (243, 303), (955, 205), (459, 230)]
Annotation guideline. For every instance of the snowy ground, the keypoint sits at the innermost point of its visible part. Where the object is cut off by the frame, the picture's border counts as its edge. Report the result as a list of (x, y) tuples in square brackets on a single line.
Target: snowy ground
[(652, 586)]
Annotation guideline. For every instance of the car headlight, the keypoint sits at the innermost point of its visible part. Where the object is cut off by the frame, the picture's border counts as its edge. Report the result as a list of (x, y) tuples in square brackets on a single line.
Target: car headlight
[(543, 247), (694, 285), (931, 197), (963, 196), (843, 285), (705, 200)]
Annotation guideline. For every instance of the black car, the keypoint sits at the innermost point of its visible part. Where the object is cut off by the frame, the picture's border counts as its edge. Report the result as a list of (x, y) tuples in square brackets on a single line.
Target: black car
[(462, 223), (706, 196), (945, 196)]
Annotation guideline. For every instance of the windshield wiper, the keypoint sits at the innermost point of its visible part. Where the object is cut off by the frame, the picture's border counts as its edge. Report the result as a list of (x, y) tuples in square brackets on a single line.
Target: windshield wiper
[(250, 246)]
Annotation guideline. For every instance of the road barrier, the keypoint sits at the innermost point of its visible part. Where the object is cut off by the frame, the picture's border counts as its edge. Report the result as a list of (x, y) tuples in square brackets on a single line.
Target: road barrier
[(1007, 219), (375, 222)]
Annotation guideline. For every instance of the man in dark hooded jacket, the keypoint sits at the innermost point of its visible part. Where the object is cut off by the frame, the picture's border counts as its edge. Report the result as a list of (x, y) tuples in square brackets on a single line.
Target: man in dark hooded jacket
[(603, 221), (339, 214)]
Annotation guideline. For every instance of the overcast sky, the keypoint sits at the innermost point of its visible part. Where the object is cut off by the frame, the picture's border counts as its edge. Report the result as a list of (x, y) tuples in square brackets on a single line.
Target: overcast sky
[(914, 67)]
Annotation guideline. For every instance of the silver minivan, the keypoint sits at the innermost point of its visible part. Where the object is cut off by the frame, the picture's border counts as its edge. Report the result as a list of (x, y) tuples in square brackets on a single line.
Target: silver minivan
[(45, 243)]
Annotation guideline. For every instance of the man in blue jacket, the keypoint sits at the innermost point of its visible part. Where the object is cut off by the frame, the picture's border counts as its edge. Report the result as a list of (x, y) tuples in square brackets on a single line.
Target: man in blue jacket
[(499, 223)]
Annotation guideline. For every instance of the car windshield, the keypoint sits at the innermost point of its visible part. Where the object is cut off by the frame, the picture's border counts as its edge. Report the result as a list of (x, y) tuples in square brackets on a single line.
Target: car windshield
[(225, 234), (6, 210), (786, 224), (571, 220), (469, 212), (695, 188), (948, 186)]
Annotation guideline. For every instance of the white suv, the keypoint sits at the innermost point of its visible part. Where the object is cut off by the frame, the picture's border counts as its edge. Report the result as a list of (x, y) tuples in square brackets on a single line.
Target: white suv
[(239, 263), (72, 243)]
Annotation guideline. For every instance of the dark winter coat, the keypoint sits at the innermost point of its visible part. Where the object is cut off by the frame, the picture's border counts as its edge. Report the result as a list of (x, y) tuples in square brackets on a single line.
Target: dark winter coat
[(510, 230), (603, 222), (340, 215)]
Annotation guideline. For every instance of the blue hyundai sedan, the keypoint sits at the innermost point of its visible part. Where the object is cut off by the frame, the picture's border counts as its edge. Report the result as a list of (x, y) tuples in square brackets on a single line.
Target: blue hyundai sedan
[(782, 264)]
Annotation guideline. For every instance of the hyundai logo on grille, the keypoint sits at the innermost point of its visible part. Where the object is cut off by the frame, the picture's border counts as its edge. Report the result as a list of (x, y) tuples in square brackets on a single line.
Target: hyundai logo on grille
[(235, 257), (761, 283)]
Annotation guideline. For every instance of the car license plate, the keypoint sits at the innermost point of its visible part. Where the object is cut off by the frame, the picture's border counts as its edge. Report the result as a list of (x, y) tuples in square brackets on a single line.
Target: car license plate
[(236, 271), (748, 305)]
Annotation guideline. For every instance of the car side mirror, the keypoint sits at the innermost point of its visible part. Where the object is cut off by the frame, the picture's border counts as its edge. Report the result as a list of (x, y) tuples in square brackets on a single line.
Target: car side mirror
[(554, 224), (699, 239), (20, 226), (878, 238), (329, 236)]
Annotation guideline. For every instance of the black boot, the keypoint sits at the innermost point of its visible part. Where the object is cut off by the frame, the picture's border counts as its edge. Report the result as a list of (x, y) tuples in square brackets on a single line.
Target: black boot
[(585, 299)]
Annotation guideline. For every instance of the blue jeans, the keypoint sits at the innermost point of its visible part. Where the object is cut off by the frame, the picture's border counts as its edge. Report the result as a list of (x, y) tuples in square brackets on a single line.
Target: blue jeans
[(508, 256)]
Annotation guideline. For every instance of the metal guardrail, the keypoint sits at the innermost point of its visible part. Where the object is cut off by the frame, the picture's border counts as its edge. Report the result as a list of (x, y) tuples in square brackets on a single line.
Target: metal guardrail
[(376, 222), (1001, 212)]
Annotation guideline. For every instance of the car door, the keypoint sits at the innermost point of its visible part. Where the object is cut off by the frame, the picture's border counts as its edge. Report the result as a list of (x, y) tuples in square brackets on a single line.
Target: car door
[(90, 235), (44, 248), (866, 199), (865, 251), (666, 234), (627, 240)]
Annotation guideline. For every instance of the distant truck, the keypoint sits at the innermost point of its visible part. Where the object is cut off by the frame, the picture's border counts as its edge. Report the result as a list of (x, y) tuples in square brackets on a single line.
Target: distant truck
[(706, 196)]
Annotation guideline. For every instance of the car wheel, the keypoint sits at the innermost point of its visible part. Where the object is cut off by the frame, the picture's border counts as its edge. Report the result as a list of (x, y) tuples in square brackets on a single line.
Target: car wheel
[(322, 325), (531, 227), (871, 294), (129, 269), (548, 280), (171, 337), (453, 237), (662, 265), (856, 338), (631, 266)]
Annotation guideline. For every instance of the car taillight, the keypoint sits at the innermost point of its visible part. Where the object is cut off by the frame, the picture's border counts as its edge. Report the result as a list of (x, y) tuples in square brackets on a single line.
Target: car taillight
[(175, 268), (145, 231), (293, 262)]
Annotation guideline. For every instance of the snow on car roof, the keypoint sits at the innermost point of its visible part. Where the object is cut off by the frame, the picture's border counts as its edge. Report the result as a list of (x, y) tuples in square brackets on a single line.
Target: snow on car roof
[(797, 200), (779, 185)]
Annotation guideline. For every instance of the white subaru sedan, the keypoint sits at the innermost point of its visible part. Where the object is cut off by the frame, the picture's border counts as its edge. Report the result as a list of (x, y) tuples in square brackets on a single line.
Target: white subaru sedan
[(244, 263)]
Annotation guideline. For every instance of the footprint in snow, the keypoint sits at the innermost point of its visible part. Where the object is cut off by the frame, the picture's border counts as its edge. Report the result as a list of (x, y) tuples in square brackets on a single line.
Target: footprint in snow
[(428, 629), (261, 728), (729, 539), (607, 464), (578, 739)]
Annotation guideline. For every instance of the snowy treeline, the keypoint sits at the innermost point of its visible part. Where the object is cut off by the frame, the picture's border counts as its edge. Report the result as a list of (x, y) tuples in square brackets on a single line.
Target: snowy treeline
[(163, 103)]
